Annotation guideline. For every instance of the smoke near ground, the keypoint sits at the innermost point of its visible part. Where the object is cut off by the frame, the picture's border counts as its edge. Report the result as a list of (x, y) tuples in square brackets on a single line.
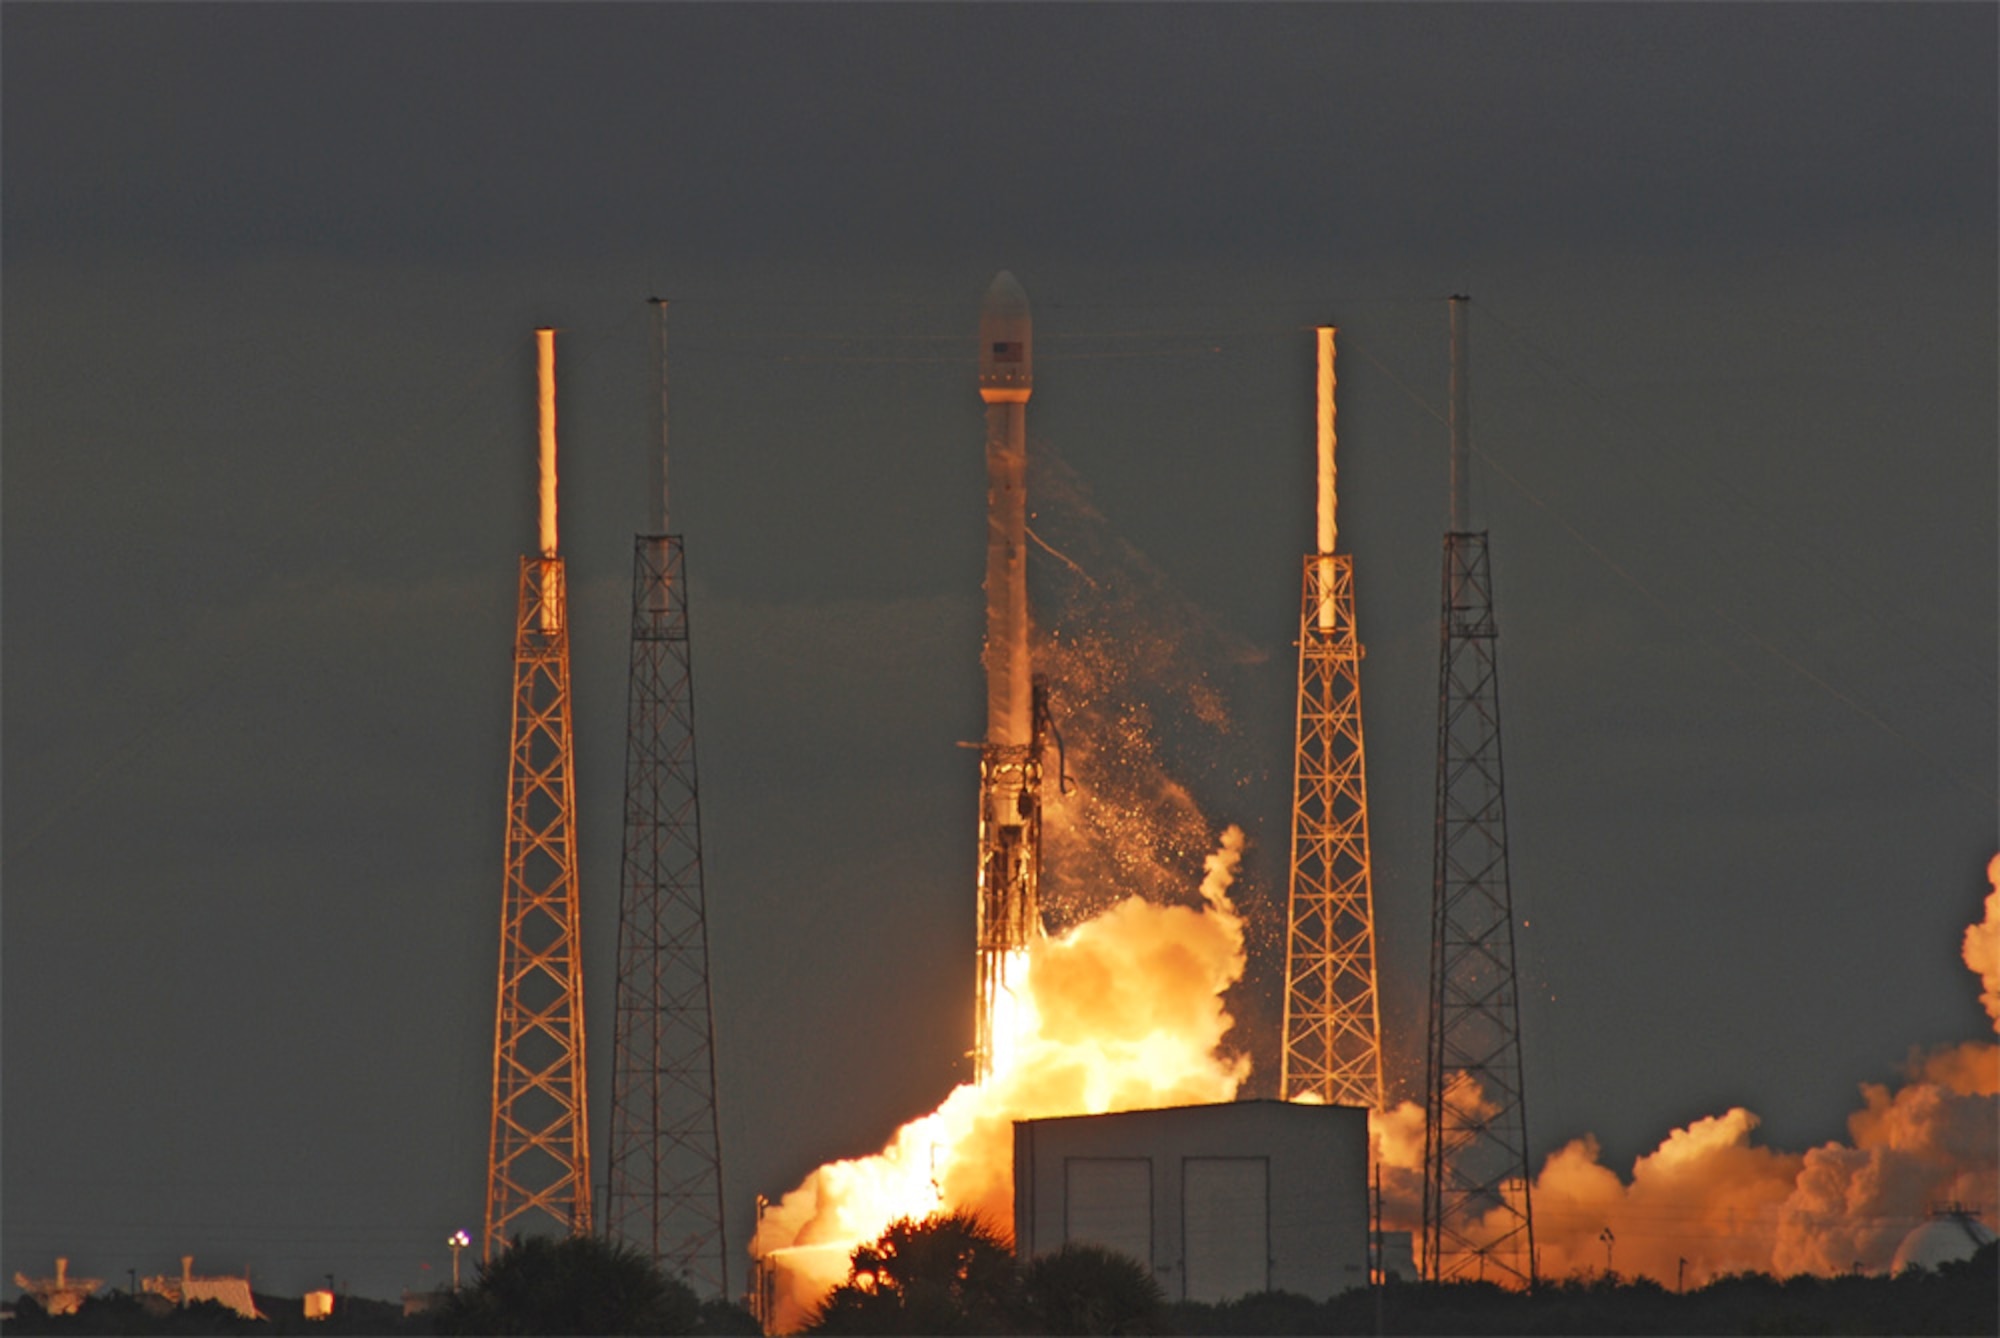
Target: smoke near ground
[(1124, 1011), (1135, 997), (1710, 1201), (1127, 1000)]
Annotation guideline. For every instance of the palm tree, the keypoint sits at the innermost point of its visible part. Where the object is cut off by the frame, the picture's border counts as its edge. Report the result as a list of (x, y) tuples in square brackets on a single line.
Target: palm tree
[(951, 1273), (1087, 1289)]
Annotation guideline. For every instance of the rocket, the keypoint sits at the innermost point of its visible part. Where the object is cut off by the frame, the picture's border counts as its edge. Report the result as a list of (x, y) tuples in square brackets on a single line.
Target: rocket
[(1010, 814), (1006, 379)]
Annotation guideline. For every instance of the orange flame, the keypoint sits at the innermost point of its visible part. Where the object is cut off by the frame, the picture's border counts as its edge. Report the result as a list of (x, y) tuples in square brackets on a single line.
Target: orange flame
[(1123, 1011)]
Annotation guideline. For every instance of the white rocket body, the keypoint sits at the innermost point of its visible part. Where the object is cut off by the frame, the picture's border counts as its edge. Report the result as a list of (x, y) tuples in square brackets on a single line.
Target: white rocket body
[(1006, 379), (1010, 821)]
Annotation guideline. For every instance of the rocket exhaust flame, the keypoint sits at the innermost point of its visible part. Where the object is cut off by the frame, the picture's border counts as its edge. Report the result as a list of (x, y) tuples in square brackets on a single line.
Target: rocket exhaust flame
[(1125, 1007), (1121, 1012), (1124, 1003)]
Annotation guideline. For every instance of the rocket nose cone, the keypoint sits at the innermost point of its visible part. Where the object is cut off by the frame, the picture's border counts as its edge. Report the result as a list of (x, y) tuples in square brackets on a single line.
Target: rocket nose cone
[(1006, 342), (1004, 296)]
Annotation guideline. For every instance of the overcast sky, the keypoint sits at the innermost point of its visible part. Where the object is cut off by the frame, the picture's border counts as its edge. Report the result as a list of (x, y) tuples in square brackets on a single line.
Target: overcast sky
[(270, 274)]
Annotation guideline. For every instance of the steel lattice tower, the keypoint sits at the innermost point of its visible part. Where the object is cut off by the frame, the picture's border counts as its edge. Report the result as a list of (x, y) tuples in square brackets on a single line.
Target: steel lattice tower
[(538, 1162), (664, 1194), (1333, 1039), (1477, 1208)]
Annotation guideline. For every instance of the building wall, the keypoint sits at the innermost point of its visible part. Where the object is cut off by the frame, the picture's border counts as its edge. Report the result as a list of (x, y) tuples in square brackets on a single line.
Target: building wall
[(1218, 1200)]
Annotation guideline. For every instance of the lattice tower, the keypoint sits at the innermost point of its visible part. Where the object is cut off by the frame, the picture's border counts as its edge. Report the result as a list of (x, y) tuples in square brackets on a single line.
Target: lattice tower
[(538, 1164), (665, 1183), (664, 1194), (1478, 1211), (1332, 1038), (1475, 1146), (1333, 1047)]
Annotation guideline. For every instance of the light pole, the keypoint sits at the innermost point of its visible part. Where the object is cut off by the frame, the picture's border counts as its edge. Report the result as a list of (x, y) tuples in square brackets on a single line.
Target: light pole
[(458, 1240)]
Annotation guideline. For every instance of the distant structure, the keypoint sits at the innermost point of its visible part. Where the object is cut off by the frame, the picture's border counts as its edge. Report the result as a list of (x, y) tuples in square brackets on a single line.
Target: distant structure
[(1332, 1040), (1010, 761), (61, 1294), (1951, 1233), (664, 1190), (187, 1289), (538, 1163), (1475, 1125)]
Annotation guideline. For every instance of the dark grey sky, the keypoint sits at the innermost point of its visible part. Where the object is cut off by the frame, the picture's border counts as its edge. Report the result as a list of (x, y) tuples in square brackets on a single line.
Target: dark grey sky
[(269, 273)]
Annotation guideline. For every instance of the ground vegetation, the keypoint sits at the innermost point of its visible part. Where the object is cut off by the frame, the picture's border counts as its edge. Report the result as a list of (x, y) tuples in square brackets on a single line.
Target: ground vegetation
[(570, 1285)]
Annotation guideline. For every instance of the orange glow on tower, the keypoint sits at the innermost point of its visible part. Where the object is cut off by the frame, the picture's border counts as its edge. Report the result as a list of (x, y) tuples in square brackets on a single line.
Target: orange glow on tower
[(538, 1157), (1333, 1041)]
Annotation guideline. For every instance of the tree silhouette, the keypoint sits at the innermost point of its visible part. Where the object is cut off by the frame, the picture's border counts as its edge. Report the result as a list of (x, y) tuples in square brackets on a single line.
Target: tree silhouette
[(951, 1273), (1087, 1289), (570, 1285)]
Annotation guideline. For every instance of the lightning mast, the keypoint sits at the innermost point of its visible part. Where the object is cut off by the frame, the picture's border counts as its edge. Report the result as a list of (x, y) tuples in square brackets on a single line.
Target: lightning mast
[(538, 1157), (1477, 1210), (1333, 1039), (664, 1191), (1010, 768)]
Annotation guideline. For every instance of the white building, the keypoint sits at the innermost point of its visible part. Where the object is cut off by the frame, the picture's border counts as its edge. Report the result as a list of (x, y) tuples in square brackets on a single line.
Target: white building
[(1219, 1201)]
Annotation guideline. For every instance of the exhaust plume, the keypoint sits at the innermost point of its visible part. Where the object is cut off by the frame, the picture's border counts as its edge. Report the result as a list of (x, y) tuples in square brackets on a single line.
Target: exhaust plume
[(1711, 1197), (1982, 946), (1123, 1011)]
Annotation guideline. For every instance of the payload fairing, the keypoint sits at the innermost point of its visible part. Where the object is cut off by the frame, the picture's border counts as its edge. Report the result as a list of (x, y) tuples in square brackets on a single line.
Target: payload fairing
[(1010, 770)]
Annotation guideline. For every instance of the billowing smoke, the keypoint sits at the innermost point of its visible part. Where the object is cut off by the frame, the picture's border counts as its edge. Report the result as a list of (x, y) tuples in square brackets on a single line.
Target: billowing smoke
[(1710, 1201), (1982, 946), (1123, 1011), (1396, 1148), (1125, 1003), (1128, 1005)]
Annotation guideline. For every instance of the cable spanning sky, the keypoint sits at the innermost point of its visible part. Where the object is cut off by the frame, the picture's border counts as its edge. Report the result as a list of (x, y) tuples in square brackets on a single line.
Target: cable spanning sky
[(271, 274)]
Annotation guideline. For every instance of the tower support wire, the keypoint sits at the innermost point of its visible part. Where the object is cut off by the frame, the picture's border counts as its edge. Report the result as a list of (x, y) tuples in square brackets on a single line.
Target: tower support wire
[(538, 1160), (664, 1191)]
